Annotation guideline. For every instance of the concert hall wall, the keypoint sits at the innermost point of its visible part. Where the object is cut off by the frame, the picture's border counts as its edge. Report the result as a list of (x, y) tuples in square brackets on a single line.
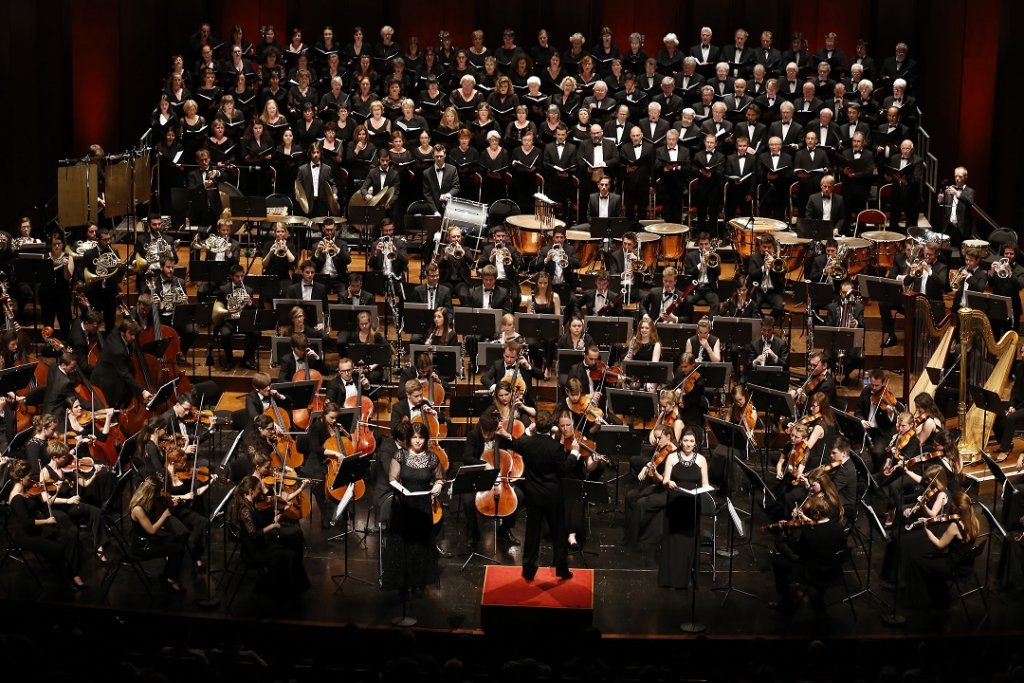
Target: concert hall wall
[(84, 72)]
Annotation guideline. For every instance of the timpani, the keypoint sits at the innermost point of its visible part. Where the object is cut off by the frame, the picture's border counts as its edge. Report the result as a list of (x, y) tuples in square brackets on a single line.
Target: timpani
[(886, 244), (745, 231), (793, 249), (673, 239), (650, 245), (586, 246), (528, 233), (858, 253)]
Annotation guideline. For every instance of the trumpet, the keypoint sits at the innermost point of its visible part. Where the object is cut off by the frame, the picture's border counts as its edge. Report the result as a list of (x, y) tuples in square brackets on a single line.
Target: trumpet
[(280, 249), (1002, 268), (774, 261), (330, 247), (455, 251), (916, 268), (502, 252), (559, 256), (957, 278), (387, 248), (835, 267)]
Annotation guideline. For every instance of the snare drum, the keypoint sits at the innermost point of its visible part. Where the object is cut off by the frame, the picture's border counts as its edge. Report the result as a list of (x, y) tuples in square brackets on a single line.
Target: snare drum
[(983, 245), (792, 248), (858, 253), (650, 244), (744, 232), (586, 246), (673, 239), (886, 245)]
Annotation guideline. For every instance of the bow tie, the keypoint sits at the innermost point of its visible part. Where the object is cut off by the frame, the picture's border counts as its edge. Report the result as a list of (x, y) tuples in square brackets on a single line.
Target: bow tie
[(619, 125), (315, 165), (510, 367), (488, 291)]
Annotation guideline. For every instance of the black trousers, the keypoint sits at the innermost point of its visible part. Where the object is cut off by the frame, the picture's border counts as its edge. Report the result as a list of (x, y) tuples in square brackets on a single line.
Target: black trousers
[(537, 513)]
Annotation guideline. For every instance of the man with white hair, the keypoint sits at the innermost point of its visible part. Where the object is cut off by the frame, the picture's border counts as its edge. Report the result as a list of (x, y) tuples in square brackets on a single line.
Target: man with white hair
[(722, 82), (827, 130), (672, 170), (617, 130), (907, 104), (671, 104), (688, 81), (600, 104), (900, 65), (637, 155), (654, 127), (739, 55), (955, 202), (905, 172), (704, 52), (786, 129), (790, 87), (758, 81), (823, 83), (807, 105)]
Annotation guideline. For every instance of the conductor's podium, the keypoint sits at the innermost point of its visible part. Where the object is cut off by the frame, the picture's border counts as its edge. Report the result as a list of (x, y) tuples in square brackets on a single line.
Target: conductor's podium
[(509, 602)]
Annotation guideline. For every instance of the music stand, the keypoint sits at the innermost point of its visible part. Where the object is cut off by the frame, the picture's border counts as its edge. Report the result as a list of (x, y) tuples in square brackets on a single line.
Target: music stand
[(446, 359), (631, 404), (880, 288), (989, 402), (674, 335), (343, 316), (479, 322), (994, 306), (248, 208), (693, 626), (771, 376), (370, 354), (608, 331), (821, 293), (314, 310), (164, 394), (736, 331), (648, 372), (775, 403), (257, 322), (814, 229), (487, 353), (732, 434), (584, 492), (716, 375), (539, 325), (208, 271), (827, 337), (476, 479), (418, 318), (850, 426), (611, 228), (565, 359), (874, 525), (352, 469), (618, 440), (365, 215), (470, 407), (266, 287), (282, 345), (17, 378), (298, 393)]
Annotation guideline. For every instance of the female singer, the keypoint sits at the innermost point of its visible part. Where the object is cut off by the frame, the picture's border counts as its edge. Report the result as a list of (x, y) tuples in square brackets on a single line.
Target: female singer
[(478, 52), (362, 98), (163, 118), (571, 59), (442, 333), (553, 75), (410, 556), (273, 120), (34, 527), (399, 154), (261, 546), (392, 102), (192, 126), (308, 129), (242, 96), (481, 127), (287, 156), (575, 336), (503, 404), (537, 104), (930, 422), (222, 148), (567, 101), (466, 99), (410, 123), (580, 133), (259, 150), (354, 51), (587, 77), (423, 154), (157, 535), (176, 92), (183, 490), (332, 149), (705, 346), (504, 102), (148, 458), (552, 120), (378, 126), (430, 102), (363, 71), (359, 154), (487, 77), (684, 469), (448, 128), (929, 557), (466, 160), (231, 116), (67, 493), (522, 72)]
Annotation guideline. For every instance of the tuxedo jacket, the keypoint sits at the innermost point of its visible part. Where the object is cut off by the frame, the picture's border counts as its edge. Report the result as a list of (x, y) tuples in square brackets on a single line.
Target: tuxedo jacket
[(778, 345), (585, 155), (288, 366), (657, 136), (113, 374), (294, 291), (550, 157), (589, 297), (442, 298), (764, 161), (757, 134), (614, 205), (816, 211), (432, 191), (500, 298), (364, 298), (326, 183), (496, 372), (373, 181), (795, 135), (568, 273)]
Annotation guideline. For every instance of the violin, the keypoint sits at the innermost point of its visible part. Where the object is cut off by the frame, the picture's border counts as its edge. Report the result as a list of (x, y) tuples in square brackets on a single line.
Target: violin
[(585, 406), (656, 461), (924, 457), (896, 446), (588, 448), (36, 488), (285, 480), (691, 382), (84, 465), (791, 524), (938, 519), (205, 417), (611, 374), (884, 399), (796, 457)]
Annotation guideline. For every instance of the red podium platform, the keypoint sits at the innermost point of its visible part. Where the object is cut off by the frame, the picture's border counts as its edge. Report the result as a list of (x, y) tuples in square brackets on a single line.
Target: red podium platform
[(508, 601)]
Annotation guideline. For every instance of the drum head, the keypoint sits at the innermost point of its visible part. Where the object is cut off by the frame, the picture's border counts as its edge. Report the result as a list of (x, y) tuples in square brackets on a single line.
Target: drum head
[(883, 236), (854, 242)]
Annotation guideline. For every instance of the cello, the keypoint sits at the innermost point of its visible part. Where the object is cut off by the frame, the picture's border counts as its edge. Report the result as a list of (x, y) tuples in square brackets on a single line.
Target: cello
[(286, 451), (501, 500), (146, 369), (343, 446), (300, 416), (365, 442)]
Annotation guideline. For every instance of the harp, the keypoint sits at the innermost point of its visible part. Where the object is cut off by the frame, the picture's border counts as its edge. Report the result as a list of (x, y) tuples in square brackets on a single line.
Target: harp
[(983, 360), (924, 335)]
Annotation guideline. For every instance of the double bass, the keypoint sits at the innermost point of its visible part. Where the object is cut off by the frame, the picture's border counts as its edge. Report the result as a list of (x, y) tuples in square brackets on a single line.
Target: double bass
[(159, 334)]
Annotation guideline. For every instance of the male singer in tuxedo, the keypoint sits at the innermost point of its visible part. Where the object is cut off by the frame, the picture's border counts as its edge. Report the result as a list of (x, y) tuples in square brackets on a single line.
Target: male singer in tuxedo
[(317, 181), (741, 180), (827, 206), (604, 203), (440, 181), (595, 154), (905, 172), (559, 161), (672, 169), (637, 156)]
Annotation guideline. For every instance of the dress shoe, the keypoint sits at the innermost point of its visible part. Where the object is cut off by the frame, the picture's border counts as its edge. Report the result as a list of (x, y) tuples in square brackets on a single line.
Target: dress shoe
[(889, 341), (250, 364), (564, 574), (227, 364), (574, 546), (529, 573), (508, 537)]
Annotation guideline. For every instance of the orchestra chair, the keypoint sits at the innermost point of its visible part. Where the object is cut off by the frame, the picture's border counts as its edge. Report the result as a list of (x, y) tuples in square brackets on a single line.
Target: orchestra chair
[(12, 550), (873, 219), (885, 201), (838, 188), (831, 579), (690, 210), (794, 205), (966, 572), (123, 555)]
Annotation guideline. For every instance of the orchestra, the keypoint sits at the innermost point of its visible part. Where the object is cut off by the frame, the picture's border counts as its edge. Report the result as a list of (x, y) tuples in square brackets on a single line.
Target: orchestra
[(114, 379)]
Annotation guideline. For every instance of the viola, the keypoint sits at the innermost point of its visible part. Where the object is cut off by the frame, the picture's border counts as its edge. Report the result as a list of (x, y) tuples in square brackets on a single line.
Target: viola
[(36, 488), (884, 399), (790, 524), (285, 452), (796, 457), (938, 519), (588, 449), (611, 374)]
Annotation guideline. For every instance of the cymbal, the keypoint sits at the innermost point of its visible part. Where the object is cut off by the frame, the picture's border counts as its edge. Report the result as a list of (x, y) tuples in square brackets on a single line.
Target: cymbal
[(288, 220)]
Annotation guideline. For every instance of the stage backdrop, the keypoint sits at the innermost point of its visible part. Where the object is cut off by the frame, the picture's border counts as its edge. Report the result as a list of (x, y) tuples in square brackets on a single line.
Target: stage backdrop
[(90, 72)]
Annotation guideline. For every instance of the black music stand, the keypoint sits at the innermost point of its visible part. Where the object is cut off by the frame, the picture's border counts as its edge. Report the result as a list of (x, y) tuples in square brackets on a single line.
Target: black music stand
[(17, 378), (850, 426), (716, 375), (370, 354), (821, 293), (256, 321), (992, 305), (343, 316), (298, 393), (248, 208), (674, 335), (814, 229), (693, 626), (775, 403), (470, 407), (478, 322), (266, 287), (352, 469), (648, 372), (565, 359), (476, 479), (874, 288), (283, 307), (584, 493), (770, 376), (642, 405), (731, 434), (612, 228), (874, 525), (607, 331), (165, 393), (283, 345), (366, 216), (618, 441), (208, 271), (736, 332), (539, 325), (418, 318), (446, 359), (989, 402), (827, 337)]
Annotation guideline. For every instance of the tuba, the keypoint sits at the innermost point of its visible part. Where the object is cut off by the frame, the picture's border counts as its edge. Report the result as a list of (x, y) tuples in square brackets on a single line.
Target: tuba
[(105, 265), (236, 301)]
